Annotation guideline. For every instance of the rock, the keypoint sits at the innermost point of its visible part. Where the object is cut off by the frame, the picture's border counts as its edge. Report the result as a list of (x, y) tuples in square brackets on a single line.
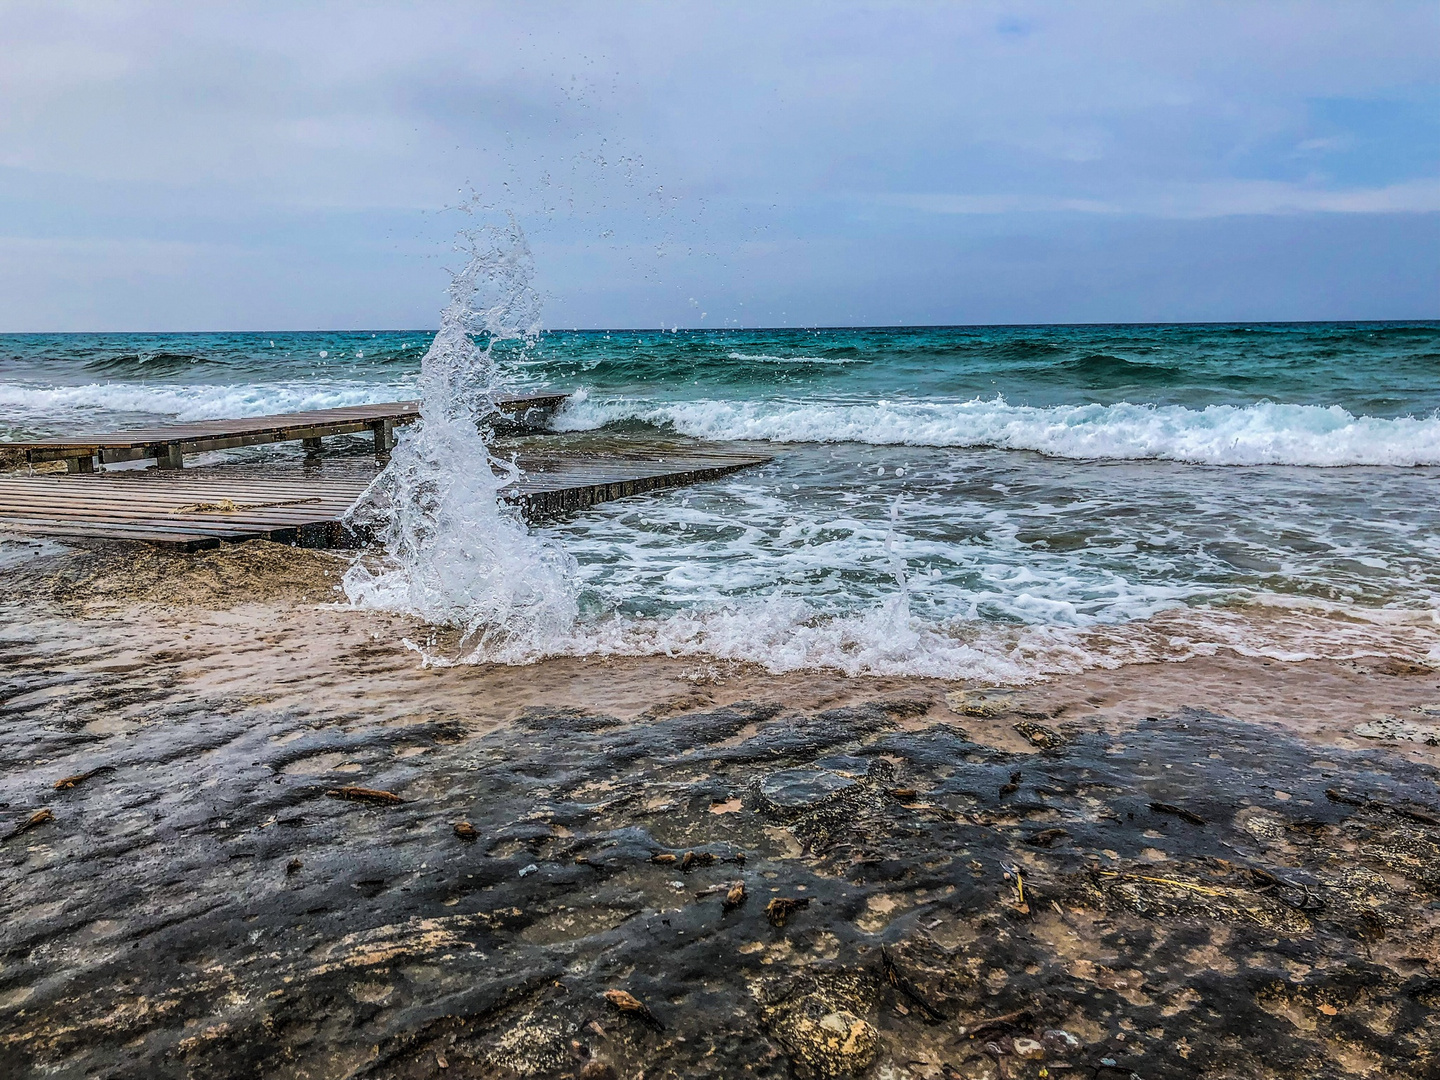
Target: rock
[(821, 1029), (1394, 666), (598, 1070), (1393, 728), (985, 704), (803, 789), (1029, 1049), (1059, 1041), (465, 831), (1040, 735)]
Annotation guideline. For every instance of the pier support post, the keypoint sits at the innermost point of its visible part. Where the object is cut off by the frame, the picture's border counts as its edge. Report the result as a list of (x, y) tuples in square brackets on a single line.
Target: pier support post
[(312, 447), (384, 432), (169, 456), (80, 464)]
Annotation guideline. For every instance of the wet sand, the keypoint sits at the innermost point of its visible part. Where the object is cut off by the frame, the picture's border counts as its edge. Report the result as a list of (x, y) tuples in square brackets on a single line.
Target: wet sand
[(1196, 869)]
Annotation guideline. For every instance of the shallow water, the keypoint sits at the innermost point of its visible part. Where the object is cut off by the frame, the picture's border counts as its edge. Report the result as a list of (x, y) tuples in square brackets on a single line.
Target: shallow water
[(981, 502)]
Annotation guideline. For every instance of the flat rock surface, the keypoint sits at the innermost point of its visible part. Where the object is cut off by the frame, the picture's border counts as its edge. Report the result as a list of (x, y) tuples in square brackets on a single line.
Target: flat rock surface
[(245, 836), (234, 893)]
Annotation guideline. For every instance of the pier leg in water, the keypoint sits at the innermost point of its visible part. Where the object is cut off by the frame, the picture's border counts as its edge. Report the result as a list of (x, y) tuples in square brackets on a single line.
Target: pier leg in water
[(384, 434)]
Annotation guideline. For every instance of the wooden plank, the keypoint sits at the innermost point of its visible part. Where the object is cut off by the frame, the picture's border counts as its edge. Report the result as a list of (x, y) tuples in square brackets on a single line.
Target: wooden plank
[(124, 505), (205, 435), (184, 541)]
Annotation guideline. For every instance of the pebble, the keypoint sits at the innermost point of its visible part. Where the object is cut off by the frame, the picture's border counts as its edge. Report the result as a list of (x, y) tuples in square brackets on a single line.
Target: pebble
[(1060, 1041), (1028, 1048)]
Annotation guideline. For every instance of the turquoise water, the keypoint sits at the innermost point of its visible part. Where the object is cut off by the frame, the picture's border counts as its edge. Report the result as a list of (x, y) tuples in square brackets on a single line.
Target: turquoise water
[(1020, 499), (1369, 369)]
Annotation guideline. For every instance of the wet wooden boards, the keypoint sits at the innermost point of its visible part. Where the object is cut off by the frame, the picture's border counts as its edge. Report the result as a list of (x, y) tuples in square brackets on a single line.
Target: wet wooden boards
[(195, 509), (170, 442)]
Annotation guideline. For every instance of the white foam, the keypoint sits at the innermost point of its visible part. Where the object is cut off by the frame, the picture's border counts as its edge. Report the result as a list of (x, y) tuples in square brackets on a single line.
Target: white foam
[(1260, 434), (785, 634), (767, 358), (184, 402)]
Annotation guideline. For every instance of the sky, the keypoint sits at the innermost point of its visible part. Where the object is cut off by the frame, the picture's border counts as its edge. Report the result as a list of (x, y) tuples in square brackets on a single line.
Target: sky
[(280, 166)]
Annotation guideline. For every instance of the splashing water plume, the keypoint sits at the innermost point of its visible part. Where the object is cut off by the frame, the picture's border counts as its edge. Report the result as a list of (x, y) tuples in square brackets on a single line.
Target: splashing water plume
[(454, 554)]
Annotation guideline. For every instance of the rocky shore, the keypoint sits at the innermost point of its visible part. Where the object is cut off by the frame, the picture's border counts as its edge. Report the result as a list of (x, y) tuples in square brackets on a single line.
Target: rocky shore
[(243, 837)]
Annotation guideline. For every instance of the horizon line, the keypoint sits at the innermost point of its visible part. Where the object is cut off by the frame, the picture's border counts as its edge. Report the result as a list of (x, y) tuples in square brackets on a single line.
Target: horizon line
[(816, 328)]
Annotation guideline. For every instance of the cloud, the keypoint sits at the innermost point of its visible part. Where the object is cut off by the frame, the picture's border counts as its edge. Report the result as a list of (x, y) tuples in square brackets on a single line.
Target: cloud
[(317, 134), (1221, 198)]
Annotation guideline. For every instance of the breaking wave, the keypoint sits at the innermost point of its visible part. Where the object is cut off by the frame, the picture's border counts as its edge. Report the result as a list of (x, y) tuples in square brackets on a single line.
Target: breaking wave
[(1261, 434), (195, 401), (784, 634)]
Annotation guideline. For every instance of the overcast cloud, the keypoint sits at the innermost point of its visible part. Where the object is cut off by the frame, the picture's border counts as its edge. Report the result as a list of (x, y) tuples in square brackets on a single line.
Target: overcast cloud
[(279, 166)]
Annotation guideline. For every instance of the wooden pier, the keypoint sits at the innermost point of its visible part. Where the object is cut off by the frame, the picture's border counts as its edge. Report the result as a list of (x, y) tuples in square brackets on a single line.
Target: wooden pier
[(169, 443), (200, 508)]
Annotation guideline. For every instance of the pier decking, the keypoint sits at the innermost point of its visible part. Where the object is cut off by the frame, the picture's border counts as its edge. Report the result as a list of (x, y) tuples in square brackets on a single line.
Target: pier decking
[(169, 443), (200, 508)]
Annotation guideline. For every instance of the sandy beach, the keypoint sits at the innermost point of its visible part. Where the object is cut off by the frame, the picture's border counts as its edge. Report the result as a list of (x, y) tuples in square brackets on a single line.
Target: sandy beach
[(247, 832)]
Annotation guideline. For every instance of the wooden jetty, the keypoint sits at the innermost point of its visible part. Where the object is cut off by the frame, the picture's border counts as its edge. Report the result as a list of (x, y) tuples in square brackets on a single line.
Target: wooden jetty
[(200, 508), (168, 444)]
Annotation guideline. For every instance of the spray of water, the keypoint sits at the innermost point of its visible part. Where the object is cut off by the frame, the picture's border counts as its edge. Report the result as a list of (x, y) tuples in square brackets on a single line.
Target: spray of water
[(454, 553), (894, 612)]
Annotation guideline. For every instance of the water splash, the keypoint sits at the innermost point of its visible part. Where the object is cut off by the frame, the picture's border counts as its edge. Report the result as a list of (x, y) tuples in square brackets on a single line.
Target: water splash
[(454, 554)]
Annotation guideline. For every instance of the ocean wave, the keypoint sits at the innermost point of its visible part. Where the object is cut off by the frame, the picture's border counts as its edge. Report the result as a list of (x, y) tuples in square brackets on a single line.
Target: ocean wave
[(766, 358), (191, 402), (1260, 434), (785, 634), (1104, 369), (156, 363)]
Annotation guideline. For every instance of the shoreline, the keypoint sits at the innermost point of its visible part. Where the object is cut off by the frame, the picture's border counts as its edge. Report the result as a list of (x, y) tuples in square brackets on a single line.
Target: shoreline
[(157, 923)]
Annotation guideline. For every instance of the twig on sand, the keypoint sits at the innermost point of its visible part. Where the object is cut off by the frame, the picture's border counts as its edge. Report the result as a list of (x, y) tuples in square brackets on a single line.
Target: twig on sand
[(626, 1002), (896, 978), (79, 778), (40, 817), (1178, 811), (365, 794), (1424, 817), (1006, 1020)]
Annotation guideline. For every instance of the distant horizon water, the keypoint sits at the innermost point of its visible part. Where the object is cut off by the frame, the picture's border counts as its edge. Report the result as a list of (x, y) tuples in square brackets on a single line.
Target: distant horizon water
[(739, 329), (983, 502)]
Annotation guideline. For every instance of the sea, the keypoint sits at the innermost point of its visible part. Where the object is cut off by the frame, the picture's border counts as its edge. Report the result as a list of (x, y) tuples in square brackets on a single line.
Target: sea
[(991, 503)]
